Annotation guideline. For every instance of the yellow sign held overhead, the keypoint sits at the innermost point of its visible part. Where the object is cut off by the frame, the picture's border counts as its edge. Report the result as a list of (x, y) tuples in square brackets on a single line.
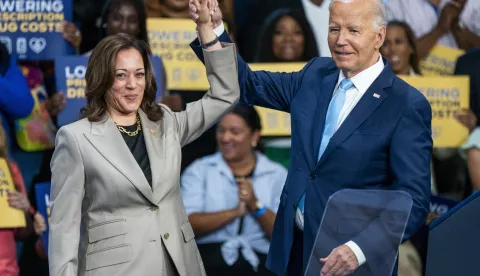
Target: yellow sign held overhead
[(441, 61), (9, 217)]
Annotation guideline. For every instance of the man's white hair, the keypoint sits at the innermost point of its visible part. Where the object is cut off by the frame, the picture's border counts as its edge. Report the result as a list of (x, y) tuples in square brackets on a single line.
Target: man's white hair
[(380, 14)]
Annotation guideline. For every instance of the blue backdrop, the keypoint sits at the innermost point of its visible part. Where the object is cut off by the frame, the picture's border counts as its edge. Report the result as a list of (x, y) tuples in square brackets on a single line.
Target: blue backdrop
[(32, 31)]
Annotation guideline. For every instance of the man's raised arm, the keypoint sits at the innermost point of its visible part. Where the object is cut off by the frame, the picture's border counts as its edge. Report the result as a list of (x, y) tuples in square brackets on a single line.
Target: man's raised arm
[(267, 89)]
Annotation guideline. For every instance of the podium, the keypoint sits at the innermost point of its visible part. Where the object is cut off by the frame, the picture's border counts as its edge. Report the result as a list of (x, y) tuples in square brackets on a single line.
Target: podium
[(374, 219), (454, 239)]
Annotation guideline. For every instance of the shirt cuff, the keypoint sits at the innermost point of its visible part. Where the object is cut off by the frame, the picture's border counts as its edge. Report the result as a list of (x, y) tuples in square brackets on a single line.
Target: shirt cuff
[(218, 30), (357, 251)]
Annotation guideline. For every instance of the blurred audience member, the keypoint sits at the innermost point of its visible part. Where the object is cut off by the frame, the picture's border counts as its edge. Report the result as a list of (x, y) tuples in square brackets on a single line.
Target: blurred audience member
[(318, 13), (124, 16), (231, 198), (287, 37), (16, 199), (30, 261), (252, 21), (400, 50), (15, 98), (72, 34), (179, 9), (33, 259), (450, 23), (471, 151), (87, 14), (129, 17), (167, 8), (250, 17), (469, 65)]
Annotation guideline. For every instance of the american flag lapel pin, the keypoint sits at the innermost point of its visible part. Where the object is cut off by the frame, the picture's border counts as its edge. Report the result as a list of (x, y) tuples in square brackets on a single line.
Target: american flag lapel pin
[(376, 95), (153, 133)]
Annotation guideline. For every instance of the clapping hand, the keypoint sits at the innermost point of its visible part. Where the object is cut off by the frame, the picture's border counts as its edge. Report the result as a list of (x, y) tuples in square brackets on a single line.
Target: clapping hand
[(450, 14), (246, 194), (71, 34)]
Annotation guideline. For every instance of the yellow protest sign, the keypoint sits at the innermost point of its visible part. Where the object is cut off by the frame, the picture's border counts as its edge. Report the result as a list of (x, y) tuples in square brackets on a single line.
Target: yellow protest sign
[(447, 96), (275, 123), (441, 61), (170, 39), (9, 217)]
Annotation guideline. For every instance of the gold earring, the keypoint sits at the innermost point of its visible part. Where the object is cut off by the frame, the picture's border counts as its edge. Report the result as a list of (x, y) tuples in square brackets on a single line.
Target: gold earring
[(254, 143)]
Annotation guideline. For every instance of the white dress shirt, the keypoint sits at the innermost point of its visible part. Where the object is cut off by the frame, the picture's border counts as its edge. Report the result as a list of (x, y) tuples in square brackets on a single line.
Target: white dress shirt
[(362, 81), (208, 186)]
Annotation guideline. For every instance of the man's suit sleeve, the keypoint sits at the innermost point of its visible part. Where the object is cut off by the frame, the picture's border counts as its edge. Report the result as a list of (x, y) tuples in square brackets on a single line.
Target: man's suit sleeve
[(67, 192), (410, 152), (267, 89)]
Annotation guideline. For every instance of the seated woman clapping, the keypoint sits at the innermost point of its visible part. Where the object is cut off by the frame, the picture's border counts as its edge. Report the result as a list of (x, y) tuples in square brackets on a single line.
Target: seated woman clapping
[(232, 196)]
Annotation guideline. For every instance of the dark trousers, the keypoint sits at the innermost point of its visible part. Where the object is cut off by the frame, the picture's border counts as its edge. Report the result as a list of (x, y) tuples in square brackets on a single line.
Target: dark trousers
[(295, 265)]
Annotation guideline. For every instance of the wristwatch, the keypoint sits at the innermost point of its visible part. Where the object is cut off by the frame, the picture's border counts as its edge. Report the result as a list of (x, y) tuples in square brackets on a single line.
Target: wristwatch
[(260, 209), (259, 205)]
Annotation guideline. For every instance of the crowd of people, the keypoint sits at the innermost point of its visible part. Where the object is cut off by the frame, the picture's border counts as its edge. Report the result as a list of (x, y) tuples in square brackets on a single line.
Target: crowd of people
[(225, 173)]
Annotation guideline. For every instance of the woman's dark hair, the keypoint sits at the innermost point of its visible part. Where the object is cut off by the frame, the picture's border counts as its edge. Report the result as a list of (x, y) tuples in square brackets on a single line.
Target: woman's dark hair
[(113, 5), (265, 53), (414, 61), (100, 76), (250, 115)]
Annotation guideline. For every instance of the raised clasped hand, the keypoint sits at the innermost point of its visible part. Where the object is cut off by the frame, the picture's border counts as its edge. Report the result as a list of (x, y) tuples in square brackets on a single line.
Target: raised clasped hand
[(198, 12)]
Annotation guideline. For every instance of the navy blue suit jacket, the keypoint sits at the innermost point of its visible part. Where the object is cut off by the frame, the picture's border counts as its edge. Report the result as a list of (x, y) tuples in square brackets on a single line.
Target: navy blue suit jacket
[(385, 143)]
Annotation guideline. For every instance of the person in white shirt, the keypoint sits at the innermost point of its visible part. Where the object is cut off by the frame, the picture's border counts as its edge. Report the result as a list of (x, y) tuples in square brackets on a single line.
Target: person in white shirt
[(452, 23), (231, 198), (317, 13)]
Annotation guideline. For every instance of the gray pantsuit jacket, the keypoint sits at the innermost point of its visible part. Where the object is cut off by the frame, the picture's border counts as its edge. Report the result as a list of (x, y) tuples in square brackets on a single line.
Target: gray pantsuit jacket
[(105, 218)]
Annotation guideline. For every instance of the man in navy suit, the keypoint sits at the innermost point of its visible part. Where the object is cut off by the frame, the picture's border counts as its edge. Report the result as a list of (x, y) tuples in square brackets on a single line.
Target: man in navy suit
[(354, 125)]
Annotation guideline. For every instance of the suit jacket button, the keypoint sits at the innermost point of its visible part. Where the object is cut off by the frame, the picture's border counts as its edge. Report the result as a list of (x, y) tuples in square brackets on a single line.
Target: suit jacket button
[(313, 176), (166, 235), (153, 208)]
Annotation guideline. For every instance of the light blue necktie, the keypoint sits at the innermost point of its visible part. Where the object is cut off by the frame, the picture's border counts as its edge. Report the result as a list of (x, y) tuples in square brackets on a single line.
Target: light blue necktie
[(331, 121)]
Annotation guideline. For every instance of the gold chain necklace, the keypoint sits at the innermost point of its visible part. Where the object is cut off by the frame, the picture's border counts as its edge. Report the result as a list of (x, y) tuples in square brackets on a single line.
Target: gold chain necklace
[(131, 133)]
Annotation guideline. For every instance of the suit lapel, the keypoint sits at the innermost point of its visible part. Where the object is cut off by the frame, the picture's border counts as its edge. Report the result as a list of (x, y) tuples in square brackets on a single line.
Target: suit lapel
[(155, 142), (109, 142), (374, 96), (327, 86)]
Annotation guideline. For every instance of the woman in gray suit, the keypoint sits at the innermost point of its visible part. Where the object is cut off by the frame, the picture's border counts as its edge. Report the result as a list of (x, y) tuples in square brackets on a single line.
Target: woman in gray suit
[(117, 208)]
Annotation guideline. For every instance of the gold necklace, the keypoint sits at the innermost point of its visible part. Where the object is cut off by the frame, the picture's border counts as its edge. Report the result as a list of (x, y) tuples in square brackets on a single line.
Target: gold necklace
[(131, 133)]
